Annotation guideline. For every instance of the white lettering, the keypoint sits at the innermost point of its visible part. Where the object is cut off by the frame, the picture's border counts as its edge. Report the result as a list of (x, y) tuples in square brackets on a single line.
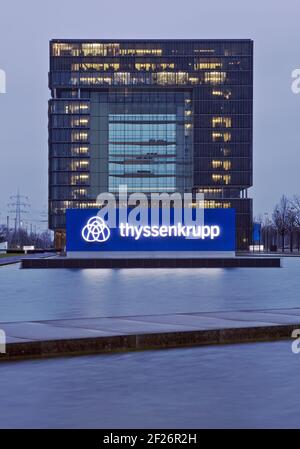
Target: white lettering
[(138, 232), (155, 231), (122, 228), (215, 231), (147, 231), (206, 231), (164, 231), (179, 230)]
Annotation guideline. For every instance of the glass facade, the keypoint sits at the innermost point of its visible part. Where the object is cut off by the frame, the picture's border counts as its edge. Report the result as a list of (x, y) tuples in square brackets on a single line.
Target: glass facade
[(156, 116), (142, 152)]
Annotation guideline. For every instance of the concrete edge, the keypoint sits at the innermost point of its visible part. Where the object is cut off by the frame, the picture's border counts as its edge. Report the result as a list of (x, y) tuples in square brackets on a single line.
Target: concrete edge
[(9, 262), (147, 341), (18, 259)]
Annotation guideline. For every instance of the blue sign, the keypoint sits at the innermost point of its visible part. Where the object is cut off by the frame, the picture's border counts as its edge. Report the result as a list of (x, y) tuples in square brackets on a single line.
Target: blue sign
[(256, 232), (88, 232)]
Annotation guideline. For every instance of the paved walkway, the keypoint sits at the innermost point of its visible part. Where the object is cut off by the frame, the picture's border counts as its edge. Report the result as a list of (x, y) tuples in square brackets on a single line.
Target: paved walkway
[(16, 259), (99, 335)]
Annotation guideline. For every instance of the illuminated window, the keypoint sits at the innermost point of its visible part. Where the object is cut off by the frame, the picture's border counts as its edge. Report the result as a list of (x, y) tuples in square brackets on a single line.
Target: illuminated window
[(95, 67), (80, 179), (77, 136), (182, 77), (216, 164), (166, 66), (145, 66), (222, 179), (80, 165), (97, 49), (140, 51), (214, 77), (224, 165), (84, 106), (227, 165), (93, 80), (222, 93), (81, 122), (76, 108), (122, 78), (204, 50), (152, 51), (172, 78), (221, 137), (207, 65), (227, 179), (65, 49), (210, 191), (216, 178), (216, 205), (79, 193), (193, 80), (79, 150), (221, 122), (166, 78)]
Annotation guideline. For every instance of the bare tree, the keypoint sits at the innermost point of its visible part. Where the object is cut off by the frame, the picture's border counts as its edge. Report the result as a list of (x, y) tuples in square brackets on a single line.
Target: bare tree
[(2, 233), (281, 218), (267, 232), (296, 204), (291, 223), (295, 201), (18, 238)]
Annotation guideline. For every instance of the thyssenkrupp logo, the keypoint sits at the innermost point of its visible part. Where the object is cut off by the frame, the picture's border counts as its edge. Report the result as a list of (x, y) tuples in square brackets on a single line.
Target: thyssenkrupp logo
[(95, 230)]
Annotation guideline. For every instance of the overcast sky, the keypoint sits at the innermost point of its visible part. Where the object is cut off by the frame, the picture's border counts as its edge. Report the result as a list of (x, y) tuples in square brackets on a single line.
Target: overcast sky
[(27, 26)]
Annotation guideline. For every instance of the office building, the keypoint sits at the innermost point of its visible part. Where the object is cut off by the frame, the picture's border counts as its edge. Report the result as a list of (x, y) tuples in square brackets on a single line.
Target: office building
[(154, 115)]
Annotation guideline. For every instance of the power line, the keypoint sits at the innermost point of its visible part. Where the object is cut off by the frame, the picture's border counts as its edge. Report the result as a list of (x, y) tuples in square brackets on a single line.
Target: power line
[(19, 205)]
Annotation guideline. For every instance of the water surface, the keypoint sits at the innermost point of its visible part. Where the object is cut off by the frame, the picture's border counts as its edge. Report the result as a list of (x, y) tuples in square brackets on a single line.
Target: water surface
[(61, 293), (250, 385), (253, 385)]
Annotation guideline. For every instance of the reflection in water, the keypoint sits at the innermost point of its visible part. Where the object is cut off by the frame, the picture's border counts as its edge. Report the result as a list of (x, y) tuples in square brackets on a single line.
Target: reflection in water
[(250, 385), (59, 293)]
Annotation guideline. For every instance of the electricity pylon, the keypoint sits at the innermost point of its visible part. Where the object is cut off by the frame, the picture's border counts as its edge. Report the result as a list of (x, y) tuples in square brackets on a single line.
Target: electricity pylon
[(19, 205)]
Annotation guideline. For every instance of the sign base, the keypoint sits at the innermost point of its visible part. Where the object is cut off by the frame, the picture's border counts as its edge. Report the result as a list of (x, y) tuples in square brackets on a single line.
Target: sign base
[(150, 254)]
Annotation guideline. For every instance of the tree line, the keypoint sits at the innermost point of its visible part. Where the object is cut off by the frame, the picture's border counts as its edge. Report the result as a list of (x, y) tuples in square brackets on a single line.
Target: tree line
[(282, 231), (17, 238)]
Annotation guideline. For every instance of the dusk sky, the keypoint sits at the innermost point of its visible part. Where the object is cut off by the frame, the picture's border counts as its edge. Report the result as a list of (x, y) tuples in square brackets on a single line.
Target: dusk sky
[(26, 28)]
